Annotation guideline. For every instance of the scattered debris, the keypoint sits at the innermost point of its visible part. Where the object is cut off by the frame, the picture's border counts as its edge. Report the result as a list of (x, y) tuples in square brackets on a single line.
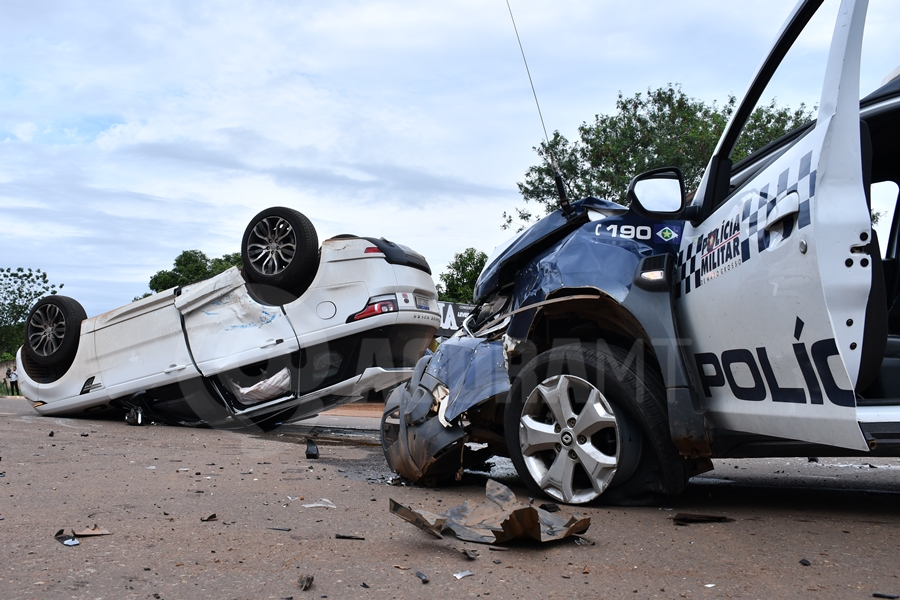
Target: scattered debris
[(85, 434), (462, 574), (211, 517), (401, 567), (92, 531), (497, 520), (586, 570), (709, 585), (66, 539), (347, 536), (688, 518), (312, 451), (469, 553), (804, 562), (498, 548), (497, 561), (305, 581), (51, 434), (814, 459), (583, 541), (364, 585), (320, 503), (550, 507), (279, 528), (422, 576), (880, 595), (135, 416)]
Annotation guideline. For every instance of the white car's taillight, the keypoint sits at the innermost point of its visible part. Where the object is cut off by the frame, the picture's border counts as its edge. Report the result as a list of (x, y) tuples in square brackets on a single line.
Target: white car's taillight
[(376, 306)]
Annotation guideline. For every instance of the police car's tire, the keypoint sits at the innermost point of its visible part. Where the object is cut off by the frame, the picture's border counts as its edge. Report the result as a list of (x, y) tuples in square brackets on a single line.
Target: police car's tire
[(588, 421), (52, 331), (280, 249)]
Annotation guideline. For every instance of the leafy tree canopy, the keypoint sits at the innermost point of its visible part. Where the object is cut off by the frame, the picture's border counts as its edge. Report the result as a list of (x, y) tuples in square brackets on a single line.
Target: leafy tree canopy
[(664, 127), (19, 289), (458, 281), (191, 266)]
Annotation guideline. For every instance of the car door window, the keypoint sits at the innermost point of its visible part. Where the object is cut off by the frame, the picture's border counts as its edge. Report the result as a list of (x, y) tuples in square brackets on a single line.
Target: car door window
[(884, 205)]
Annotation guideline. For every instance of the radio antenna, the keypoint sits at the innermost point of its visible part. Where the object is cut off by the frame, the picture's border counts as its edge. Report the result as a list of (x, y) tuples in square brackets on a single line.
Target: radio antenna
[(557, 177)]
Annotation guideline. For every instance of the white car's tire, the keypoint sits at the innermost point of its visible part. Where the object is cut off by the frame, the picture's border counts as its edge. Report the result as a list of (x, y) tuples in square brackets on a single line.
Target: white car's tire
[(52, 331), (280, 249)]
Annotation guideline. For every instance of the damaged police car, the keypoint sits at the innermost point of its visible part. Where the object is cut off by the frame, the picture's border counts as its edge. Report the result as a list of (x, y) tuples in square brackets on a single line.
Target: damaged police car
[(616, 350), (298, 330)]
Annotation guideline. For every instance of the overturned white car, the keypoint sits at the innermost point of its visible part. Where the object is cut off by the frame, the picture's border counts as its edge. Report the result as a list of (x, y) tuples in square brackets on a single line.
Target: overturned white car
[(298, 330)]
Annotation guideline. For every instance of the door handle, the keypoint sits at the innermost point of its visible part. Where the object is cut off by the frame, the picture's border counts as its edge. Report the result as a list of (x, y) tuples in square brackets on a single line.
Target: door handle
[(173, 368), (786, 207), (271, 342)]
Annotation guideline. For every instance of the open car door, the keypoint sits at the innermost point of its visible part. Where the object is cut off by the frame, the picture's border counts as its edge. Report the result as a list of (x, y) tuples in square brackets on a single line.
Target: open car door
[(776, 272)]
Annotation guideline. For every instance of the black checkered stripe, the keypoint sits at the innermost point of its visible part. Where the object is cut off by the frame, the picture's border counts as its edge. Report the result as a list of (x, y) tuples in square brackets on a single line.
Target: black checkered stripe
[(698, 258)]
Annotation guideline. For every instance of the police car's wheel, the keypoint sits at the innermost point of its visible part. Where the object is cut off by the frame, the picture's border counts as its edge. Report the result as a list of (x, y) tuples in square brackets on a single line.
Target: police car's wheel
[(52, 331), (280, 249), (583, 422)]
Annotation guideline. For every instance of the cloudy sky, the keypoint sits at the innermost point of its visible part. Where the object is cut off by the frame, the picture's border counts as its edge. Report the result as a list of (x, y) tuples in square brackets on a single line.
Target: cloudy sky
[(133, 130)]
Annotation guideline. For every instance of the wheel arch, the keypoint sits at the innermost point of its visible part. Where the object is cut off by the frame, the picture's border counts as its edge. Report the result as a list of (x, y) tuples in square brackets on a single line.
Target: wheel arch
[(642, 324)]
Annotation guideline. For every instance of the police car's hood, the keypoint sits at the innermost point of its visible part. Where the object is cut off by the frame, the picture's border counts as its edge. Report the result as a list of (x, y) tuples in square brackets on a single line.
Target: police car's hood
[(502, 267)]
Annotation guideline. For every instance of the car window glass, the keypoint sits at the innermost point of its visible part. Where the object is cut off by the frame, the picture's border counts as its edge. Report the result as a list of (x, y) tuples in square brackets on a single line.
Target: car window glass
[(884, 205), (799, 78)]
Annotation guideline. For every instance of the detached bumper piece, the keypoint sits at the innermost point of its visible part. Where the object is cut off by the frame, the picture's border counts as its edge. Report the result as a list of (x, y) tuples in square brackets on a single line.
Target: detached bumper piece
[(416, 444)]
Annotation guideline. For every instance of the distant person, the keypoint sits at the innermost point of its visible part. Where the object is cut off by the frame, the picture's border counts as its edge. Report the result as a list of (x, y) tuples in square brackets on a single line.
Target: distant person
[(14, 382)]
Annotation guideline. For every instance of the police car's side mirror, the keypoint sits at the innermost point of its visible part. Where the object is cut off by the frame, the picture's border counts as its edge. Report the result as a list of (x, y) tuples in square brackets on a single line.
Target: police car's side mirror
[(658, 194)]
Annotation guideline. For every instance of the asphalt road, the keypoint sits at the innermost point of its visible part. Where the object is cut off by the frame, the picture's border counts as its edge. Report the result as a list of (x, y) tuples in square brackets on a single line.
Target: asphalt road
[(152, 486)]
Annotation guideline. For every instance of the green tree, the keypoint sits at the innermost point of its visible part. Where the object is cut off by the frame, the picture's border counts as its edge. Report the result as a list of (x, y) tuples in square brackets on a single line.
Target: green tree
[(663, 127), (19, 289), (191, 266), (458, 281)]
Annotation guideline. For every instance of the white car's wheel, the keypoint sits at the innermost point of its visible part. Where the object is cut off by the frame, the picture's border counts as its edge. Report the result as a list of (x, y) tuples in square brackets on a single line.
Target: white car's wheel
[(52, 331), (280, 249)]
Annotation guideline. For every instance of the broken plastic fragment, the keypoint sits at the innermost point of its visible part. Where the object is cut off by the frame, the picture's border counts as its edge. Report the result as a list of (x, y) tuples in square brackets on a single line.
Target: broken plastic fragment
[(880, 595), (312, 451), (688, 518), (347, 536), (135, 416), (805, 562), (65, 539), (211, 517), (320, 503), (462, 574), (305, 581), (90, 531), (469, 553), (499, 519), (422, 576), (279, 528)]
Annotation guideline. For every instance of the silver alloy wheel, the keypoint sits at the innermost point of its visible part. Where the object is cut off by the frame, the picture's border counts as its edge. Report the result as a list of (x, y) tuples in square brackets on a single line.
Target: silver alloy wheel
[(47, 330), (271, 245), (571, 449)]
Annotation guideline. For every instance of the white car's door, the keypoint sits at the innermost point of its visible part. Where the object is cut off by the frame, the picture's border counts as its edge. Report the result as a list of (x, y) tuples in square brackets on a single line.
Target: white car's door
[(141, 346), (775, 279), (226, 328)]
